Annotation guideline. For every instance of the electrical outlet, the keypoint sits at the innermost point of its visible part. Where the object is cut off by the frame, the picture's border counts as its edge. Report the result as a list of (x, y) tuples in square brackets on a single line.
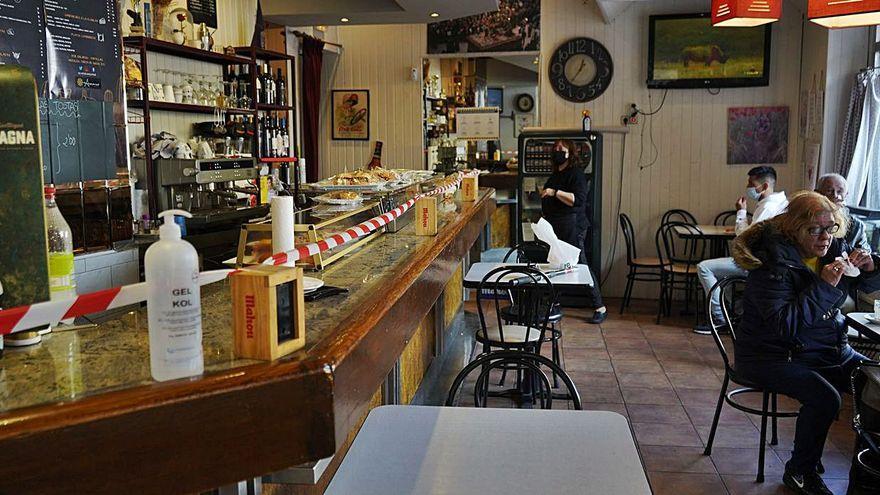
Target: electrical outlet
[(634, 119)]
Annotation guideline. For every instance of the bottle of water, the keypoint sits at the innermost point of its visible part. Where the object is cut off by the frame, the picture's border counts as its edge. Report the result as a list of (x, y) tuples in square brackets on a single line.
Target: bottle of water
[(61, 276)]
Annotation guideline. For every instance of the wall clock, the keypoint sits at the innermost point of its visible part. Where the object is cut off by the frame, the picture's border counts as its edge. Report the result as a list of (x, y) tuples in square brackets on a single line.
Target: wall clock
[(580, 70), (525, 103)]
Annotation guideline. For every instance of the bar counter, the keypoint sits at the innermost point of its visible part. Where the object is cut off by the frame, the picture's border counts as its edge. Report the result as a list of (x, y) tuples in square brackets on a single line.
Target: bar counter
[(80, 412)]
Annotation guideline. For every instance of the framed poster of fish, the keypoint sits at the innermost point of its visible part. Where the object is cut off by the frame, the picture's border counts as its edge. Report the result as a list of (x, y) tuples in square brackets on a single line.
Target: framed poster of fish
[(351, 115), (685, 51)]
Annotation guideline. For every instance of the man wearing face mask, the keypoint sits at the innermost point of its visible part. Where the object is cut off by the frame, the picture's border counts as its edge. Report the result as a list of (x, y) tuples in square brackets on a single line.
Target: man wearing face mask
[(564, 206), (760, 187)]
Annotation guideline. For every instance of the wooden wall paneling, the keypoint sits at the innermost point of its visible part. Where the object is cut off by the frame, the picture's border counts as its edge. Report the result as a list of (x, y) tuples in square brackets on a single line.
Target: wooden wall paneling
[(501, 227), (690, 132), (416, 358), (453, 294), (378, 58)]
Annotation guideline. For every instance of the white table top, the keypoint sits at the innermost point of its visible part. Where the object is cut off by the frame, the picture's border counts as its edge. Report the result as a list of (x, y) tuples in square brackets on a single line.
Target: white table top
[(579, 276), (457, 450)]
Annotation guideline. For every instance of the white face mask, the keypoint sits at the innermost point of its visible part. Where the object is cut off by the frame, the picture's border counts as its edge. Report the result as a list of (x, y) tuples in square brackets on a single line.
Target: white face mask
[(752, 192)]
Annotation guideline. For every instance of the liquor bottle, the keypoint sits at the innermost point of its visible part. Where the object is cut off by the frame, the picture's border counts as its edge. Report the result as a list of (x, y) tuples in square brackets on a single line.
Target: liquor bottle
[(268, 85), (267, 138), (61, 276), (376, 161), (281, 88), (285, 139), (258, 91), (244, 80)]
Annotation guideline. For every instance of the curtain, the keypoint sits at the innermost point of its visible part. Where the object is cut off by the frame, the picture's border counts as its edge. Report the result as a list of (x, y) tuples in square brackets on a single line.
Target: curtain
[(313, 51), (851, 125), (864, 171)]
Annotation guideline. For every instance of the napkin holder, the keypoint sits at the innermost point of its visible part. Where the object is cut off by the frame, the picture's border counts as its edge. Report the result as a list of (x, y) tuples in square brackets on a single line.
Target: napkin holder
[(268, 311), (426, 215), (469, 187)]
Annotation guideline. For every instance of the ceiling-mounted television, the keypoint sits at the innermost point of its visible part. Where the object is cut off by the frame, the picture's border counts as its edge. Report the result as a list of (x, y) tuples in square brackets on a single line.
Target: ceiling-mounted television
[(685, 51)]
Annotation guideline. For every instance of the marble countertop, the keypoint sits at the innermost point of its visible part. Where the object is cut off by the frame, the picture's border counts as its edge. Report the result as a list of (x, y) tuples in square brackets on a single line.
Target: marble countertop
[(70, 365)]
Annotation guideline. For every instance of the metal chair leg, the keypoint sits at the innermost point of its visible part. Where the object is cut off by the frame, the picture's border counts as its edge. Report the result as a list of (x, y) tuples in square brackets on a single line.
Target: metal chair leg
[(774, 439), (708, 450), (627, 293), (554, 344), (763, 446)]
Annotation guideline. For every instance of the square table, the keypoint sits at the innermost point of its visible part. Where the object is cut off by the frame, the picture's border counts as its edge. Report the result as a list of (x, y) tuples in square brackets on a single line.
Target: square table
[(462, 451), (717, 235), (579, 276), (865, 327)]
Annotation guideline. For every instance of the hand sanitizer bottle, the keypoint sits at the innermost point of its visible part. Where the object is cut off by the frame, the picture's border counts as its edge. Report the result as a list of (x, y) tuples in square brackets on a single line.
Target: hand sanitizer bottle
[(174, 310)]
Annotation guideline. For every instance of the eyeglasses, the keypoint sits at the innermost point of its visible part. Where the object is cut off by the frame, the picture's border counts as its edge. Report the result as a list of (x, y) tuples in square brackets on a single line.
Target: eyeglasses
[(817, 231)]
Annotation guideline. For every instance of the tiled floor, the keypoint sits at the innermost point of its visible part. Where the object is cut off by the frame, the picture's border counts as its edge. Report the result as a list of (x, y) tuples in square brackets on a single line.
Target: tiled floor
[(666, 380)]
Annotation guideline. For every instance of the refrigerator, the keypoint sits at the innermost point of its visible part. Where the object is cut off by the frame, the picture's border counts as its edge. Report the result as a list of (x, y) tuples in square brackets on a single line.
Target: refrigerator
[(535, 167)]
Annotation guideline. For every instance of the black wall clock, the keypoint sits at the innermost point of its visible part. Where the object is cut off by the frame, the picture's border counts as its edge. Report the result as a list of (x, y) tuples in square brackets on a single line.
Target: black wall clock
[(580, 70), (525, 103)]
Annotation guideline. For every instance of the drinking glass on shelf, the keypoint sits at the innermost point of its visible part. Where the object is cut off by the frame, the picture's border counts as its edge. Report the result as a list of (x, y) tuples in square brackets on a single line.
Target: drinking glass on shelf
[(245, 100)]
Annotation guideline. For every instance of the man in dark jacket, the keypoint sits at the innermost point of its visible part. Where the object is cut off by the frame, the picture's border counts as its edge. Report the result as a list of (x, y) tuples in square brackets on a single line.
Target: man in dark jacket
[(792, 336)]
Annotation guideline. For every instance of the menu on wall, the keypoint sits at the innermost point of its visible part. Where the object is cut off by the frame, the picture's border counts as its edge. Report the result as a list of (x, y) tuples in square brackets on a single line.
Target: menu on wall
[(83, 49), (21, 37), (203, 11)]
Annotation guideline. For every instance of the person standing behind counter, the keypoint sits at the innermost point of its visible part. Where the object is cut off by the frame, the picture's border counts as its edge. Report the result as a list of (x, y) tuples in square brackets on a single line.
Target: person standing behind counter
[(564, 206)]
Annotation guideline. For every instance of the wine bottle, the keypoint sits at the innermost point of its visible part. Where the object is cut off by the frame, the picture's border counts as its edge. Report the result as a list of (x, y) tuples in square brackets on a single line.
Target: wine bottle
[(376, 161), (268, 85), (258, 91), (281, 89)]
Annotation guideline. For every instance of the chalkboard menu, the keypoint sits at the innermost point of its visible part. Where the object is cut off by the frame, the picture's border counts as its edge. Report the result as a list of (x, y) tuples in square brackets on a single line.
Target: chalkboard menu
[(73, 48), (203, 11)]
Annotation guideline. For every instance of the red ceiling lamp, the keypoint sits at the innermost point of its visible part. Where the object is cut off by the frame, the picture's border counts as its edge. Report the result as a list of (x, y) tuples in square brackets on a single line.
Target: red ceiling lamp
[(745, 13), (844, 13)]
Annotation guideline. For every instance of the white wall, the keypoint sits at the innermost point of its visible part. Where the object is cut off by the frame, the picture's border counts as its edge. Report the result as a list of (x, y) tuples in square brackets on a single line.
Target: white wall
[(690, 131)]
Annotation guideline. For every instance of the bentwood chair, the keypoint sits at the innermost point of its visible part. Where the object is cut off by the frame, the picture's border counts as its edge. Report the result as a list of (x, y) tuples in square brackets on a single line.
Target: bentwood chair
[(678, 215), (514, 305), (533, 252), (865, 472), (726, 218), (506, 359), (640, 269), (680, 247), (730, 290)]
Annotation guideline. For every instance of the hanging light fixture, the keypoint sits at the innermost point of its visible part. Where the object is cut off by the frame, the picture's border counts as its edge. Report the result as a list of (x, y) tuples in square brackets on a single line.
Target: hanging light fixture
[(844, 13), (745, 13)]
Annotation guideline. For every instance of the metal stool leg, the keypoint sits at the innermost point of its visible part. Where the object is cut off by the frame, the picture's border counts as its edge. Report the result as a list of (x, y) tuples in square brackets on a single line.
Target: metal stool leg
[(763, 446), (774, 438), (708, 450)]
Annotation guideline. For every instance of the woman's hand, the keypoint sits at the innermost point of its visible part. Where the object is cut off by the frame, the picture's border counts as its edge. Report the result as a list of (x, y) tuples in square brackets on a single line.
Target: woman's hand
[(862, 260), (548, 192), (832, 273)]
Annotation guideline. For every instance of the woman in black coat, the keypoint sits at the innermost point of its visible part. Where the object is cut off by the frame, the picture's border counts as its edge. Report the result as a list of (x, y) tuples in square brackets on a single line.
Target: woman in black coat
[(564, 206), (792, 336)]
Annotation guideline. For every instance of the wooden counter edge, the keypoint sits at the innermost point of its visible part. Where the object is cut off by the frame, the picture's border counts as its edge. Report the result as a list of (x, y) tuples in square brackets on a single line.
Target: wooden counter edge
[(79, 431)]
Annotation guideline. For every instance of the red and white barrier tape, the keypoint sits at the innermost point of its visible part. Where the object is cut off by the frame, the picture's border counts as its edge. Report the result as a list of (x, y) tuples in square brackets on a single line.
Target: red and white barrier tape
[(51, 312)]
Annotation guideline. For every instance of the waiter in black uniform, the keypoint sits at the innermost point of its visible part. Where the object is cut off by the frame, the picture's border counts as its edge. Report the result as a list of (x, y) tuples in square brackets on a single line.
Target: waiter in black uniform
[(564, 205)]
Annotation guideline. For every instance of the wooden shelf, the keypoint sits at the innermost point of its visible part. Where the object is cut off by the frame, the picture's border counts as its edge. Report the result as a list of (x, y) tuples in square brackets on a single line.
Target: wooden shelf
[(274, 108), (289, 159), (159, 46), (184, 107), (261, 53)]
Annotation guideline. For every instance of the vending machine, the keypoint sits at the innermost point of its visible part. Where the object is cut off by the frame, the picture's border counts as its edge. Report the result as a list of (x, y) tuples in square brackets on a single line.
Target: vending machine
[(535, 166)]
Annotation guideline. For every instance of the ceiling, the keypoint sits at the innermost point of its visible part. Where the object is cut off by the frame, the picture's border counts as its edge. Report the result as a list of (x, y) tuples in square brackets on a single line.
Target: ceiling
[(329, 12)]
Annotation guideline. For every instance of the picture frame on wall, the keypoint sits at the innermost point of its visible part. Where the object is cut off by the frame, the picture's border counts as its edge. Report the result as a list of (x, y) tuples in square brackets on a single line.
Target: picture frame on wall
[(351, 115)]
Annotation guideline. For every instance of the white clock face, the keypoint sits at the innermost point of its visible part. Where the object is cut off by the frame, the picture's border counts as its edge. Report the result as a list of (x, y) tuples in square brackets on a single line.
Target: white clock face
[(580, 69)]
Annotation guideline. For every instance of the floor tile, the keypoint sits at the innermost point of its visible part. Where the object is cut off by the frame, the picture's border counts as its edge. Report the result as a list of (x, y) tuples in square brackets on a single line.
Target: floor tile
[(601, 394), (655, 413), (676, 459), (702, 415), (585, 379), (639, 395), (732, 436), (745, 485), (745, 461), (680, 435), (686, 484), (705, 379), (643, 380)]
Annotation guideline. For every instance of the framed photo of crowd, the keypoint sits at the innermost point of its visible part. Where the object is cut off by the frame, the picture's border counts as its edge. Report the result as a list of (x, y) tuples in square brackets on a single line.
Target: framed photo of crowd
[(514, 27), (351, 115)]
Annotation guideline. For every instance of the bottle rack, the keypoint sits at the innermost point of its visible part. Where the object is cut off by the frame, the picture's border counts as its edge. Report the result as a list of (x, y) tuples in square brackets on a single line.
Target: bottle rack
[(141, 45)]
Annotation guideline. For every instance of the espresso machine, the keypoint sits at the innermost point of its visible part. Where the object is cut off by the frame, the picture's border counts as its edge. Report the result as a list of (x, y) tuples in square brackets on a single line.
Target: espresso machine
[(207, 189)]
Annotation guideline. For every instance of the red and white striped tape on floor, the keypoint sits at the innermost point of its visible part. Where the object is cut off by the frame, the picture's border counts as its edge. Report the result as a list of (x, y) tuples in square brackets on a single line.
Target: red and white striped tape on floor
[(51, 312)]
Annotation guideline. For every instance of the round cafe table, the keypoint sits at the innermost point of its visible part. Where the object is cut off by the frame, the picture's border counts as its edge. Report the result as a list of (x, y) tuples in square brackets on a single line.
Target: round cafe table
[(717, 235)]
